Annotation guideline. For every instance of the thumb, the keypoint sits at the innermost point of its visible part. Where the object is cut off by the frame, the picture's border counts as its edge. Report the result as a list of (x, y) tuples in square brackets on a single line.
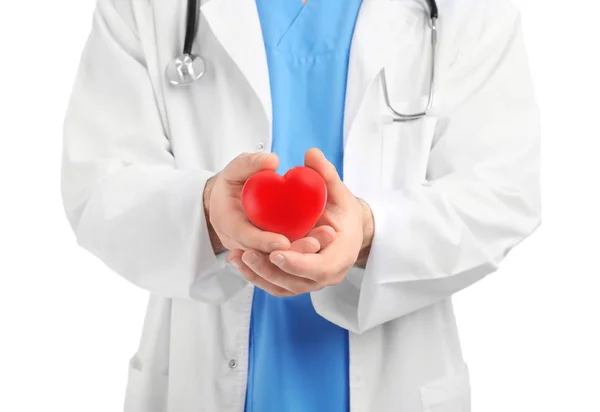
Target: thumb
[(247, 164), (316, 160)]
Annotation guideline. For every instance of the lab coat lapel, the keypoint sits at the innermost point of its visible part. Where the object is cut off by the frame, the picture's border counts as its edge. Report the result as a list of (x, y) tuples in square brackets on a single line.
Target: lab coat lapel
[(376, 39), (236, 25)]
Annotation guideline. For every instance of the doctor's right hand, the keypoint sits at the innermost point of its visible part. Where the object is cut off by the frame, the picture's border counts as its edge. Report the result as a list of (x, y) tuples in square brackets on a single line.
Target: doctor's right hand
[(228, 226)]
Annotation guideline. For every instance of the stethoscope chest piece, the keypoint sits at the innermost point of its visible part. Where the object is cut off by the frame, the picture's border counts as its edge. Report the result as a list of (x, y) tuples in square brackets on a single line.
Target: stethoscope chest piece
[(185, 69)]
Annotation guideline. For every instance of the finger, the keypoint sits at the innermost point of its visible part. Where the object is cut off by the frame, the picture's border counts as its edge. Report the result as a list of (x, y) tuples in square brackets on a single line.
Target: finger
[(319, 267), (227, 242), (245, 165), (306, 245), (234, 254), (260, 264), (256, 280), (325, 235), (315, 159), (251, 237), (310, 266), (318, 239)]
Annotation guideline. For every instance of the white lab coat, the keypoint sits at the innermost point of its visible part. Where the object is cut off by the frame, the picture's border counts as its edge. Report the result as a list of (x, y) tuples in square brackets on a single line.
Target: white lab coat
[(451, 194)]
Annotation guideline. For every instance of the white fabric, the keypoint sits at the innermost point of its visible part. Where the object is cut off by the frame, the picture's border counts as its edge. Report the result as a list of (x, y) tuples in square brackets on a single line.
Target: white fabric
[(451, 194)]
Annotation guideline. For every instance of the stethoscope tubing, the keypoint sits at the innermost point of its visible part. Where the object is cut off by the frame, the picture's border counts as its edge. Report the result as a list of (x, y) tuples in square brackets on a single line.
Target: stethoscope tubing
[(187, 68)]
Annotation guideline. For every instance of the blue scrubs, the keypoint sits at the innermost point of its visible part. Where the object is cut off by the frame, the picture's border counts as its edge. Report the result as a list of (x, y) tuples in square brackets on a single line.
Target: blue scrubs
[(298, 360)]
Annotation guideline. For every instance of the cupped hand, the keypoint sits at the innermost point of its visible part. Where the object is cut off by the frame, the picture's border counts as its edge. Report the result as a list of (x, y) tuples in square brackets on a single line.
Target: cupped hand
[(344, 234), (352, 221), (256, 267), (223, 207)]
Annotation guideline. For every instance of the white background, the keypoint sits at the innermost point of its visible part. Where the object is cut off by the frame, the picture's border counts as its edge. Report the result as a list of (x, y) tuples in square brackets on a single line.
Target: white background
[(531, 332)]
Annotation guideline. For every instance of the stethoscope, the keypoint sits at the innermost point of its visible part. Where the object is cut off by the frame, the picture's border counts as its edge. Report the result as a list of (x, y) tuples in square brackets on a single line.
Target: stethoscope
[(187, 68)]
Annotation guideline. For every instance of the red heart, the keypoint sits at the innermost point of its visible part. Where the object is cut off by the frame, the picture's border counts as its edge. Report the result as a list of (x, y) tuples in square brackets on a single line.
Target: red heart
[(290, 205)]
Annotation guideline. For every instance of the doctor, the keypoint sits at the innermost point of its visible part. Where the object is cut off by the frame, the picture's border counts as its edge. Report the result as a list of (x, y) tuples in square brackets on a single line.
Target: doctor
[(357, 316)]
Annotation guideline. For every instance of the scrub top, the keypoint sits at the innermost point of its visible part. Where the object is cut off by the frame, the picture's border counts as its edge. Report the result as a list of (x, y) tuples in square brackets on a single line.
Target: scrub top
[(298, 361)]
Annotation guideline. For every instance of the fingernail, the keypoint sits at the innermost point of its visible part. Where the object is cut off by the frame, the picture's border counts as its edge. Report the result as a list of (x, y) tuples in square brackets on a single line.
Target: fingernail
[(250, 258), (278, 259), (235, 263), (326, 238), (275, 246)]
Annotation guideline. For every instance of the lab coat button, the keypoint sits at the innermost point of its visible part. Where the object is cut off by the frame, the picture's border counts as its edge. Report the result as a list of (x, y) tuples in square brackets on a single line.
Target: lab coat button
[(260, 147), (232, 364)]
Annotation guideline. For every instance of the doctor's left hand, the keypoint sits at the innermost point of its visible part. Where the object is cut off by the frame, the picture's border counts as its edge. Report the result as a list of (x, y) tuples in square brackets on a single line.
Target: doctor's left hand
[(294, 272)]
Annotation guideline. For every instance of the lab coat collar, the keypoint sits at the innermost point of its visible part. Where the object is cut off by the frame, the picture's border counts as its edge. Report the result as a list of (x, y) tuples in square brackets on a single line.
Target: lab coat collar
[(236, 25)]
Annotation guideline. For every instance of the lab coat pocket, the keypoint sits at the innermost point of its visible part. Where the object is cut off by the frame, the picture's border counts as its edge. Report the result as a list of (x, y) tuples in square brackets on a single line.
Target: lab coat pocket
[(451, 393), (405, 147), (146, 390)]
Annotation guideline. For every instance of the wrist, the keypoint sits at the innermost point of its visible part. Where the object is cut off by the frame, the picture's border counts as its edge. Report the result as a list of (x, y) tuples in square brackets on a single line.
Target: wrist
[(215, 241), (206, 197), (368, 222)]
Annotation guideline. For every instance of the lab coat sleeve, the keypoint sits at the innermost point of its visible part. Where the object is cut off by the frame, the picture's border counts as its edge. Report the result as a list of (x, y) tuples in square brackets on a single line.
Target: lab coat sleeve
[(124, 197), (481, 197)]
